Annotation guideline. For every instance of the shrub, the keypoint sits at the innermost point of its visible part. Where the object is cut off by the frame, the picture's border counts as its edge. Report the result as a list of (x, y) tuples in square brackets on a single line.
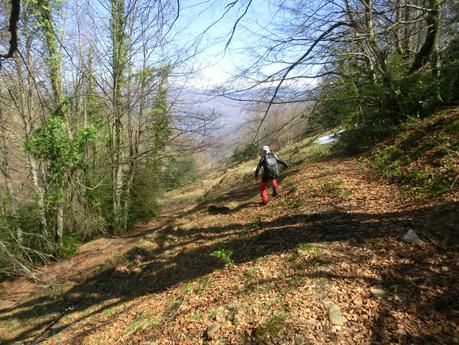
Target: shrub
[(178, 172), (68, 246), (225, 255), (244, 153), (146, 188)]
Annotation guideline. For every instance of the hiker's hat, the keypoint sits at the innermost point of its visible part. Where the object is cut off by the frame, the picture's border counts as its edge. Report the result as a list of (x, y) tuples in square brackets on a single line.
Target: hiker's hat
[(266, 149)]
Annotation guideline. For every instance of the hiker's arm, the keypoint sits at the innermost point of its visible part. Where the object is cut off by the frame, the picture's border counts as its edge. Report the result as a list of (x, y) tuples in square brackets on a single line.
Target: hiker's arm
[(260, 163), (280, 161)]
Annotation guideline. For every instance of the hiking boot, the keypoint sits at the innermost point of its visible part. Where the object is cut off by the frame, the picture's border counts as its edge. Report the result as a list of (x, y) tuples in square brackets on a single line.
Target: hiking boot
[(263, 203), (274, 193)]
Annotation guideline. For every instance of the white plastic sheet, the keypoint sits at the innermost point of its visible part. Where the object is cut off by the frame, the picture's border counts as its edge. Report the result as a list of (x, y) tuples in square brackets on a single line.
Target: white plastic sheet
[(328, 138)]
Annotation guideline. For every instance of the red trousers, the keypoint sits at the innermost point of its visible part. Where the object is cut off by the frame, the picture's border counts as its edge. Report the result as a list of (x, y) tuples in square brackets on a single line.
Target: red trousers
[(263, 185)]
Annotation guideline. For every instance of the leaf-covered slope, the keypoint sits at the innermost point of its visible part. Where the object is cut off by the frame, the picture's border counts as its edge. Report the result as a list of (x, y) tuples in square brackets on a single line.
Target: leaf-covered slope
[(217, 268)]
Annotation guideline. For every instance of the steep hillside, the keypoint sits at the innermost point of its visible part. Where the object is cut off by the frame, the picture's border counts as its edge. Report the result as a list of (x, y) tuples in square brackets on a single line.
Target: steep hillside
[(324, 262)]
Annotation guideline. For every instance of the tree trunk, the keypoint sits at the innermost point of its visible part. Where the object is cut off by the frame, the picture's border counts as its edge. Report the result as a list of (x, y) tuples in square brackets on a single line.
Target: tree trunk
[(60, 223), (118, 75), (54, 66), (25, 109), (431, 39), (5, 169)]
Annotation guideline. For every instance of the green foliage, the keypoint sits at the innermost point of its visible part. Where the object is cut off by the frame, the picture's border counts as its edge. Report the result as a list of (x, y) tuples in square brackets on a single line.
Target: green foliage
[(177, 172), (146, 188), (251, 273), (256, 223), (51, 143), (69, 245), (159, 123), (395, 164), (225, 255), (244, 153), (155, 178), (449, 82), (317, 151), (142, 320), (371, 110)]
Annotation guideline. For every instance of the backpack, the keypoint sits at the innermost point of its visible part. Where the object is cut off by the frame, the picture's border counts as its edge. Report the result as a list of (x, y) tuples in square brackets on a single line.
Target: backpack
[(271, 166)]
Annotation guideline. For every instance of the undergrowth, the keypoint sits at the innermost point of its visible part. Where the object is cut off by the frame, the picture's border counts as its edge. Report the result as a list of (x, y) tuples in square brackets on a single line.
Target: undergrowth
[(424, 156)]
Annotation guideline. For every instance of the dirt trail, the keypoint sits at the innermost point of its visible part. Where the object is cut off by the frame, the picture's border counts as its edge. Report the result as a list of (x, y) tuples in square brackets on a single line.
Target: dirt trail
[(333, 236), (89, 257)]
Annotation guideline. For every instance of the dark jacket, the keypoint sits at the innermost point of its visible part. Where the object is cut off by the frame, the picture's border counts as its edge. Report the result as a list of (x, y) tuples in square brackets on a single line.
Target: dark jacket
[(262, 163)]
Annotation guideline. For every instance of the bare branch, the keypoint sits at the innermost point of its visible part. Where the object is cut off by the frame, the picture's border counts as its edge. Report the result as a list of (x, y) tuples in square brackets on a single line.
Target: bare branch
[(14, 17), (318, 39)]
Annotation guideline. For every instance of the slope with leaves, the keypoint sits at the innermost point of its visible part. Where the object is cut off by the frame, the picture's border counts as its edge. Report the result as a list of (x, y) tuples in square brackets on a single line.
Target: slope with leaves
[(224, 270)]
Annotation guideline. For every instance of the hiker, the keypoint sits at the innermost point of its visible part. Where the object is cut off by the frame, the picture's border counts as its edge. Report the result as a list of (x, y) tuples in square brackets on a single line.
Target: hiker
[(270, 163)]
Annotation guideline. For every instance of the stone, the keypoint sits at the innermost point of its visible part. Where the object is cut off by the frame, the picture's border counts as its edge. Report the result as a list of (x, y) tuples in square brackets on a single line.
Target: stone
[(412, 237), (445, 269), (377, 292), (335, 316), (212, 329)]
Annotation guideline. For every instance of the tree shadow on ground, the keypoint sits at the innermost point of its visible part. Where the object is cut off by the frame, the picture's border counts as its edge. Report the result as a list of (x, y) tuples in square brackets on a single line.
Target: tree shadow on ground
[(181, 255)]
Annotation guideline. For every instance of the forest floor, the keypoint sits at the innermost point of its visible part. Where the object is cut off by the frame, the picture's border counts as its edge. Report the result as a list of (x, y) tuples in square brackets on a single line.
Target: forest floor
[(324, 262)]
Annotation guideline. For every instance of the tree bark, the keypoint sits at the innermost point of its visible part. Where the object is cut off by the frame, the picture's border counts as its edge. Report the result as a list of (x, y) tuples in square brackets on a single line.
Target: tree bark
[(431, 39), (118, 75), (5, 169)]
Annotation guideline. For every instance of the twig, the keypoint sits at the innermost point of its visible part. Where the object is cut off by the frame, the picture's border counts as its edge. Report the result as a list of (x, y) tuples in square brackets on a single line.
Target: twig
[(39, 336), (171, 317)]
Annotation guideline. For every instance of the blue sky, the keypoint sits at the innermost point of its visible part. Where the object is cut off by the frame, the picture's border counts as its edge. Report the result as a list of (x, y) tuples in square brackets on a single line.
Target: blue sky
[(216, 64)]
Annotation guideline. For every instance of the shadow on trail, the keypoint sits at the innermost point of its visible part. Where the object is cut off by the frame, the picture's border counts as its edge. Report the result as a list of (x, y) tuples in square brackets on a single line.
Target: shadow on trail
[(181, 255)]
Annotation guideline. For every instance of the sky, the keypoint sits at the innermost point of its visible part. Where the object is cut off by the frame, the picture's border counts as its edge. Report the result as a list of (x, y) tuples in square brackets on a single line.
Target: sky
[(215, 64)]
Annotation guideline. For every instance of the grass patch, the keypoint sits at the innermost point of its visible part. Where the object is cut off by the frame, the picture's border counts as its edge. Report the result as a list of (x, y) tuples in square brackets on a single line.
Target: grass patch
[(310, 251), (12, 324), (205, 283), (250, 274), (141, 321), (300, 202), (346, 193), (332, 187), (195, 316), (270, 327), (322, 281), (316, 151), (216, 313), (109, 312)]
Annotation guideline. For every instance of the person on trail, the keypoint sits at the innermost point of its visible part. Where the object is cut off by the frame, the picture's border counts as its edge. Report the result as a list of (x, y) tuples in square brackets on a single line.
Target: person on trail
[(270, 163)]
